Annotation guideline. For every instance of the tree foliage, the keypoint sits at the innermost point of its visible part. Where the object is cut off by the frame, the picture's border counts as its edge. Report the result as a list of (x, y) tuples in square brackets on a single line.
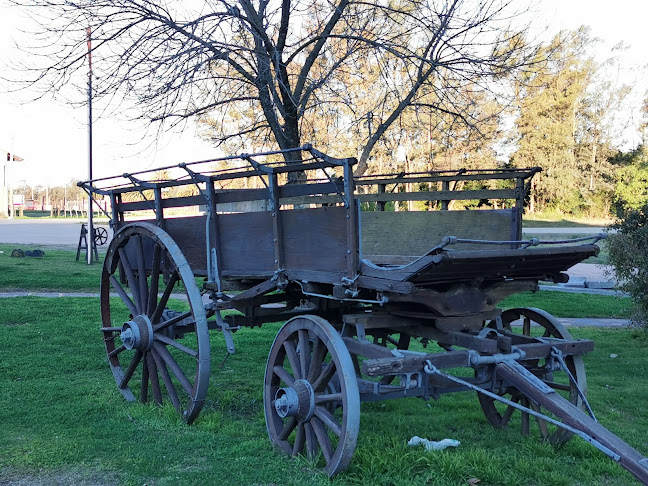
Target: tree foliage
[(629, 254), (266, 72)]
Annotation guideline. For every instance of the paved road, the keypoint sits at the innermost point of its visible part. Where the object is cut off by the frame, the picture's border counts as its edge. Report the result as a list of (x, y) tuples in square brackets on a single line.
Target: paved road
[(62, 232)]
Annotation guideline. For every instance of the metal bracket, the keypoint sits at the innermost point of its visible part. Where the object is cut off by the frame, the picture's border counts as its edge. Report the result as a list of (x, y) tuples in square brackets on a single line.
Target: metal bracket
[(227, 333)]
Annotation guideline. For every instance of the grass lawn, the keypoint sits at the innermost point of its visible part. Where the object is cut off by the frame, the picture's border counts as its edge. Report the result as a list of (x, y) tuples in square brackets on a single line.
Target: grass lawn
[(58, 270), (561, 220), (64, 422)]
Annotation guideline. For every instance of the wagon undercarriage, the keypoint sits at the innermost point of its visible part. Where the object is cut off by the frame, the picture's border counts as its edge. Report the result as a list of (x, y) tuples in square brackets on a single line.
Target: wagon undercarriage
[(378, 304)]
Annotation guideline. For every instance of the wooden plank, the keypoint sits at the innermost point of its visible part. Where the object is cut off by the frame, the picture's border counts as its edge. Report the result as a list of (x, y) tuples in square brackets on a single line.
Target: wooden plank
[(417, 232), (314, 239), (412, 363), (246, 243), (189, 234), (366, 349), (439, 195), (414, 178)]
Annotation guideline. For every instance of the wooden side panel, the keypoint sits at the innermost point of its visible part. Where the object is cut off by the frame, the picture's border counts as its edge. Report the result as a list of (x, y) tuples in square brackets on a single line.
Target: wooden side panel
[(416, 232), (314, 239), (189, 235), (246, 243)]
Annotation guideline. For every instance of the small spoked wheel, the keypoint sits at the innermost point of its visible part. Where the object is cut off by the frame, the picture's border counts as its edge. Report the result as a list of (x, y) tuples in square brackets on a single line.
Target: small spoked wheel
[(310, 397), (100, 236), (154, 328), (537, 323)]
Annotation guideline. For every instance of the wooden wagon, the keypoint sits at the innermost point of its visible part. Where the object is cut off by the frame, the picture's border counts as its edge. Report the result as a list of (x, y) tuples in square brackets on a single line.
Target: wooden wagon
[(356, 283)]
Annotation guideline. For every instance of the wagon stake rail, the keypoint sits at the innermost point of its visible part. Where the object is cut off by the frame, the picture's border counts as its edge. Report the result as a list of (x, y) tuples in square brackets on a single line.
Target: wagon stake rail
[(360, 288)]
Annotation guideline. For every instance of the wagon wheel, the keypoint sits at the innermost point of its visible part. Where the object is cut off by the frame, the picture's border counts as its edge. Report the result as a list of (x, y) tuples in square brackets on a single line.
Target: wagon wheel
[(302, 414), (150, 340), (100, 235), (537, 323)]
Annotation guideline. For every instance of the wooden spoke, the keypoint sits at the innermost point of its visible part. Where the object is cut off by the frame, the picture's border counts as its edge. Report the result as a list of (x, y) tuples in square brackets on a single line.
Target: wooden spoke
[(155, 280), (311, 440), (131, 369), (509, 412), (173, 279), (171, 322), (284, 375), (331, 397), (300, 438), (173, 366), (116, 351), (319, 352), (525, 417), (123, 295), (322, 438), (141, 273), (153, 376), (325, 376), (304, 352), (181, 347), (168, 384), (132, 282), (291, 353), (541, 423), (329, 420), (145, 381), (288, 428)]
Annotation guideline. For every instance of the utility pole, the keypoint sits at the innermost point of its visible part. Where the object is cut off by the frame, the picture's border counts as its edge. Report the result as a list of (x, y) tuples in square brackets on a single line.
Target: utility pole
[(90, 227)]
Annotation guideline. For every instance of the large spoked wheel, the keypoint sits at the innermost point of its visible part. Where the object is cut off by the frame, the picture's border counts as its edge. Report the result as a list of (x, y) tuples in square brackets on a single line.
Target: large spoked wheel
[(311, 399), (537, 323), (157, 344)]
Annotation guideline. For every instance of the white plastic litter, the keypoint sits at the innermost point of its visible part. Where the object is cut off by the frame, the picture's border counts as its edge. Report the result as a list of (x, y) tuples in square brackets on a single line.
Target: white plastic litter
[(431, 445)]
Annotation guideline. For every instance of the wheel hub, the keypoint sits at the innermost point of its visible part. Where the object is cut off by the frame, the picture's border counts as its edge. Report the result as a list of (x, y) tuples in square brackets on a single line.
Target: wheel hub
[(296, 401), (137, 333)]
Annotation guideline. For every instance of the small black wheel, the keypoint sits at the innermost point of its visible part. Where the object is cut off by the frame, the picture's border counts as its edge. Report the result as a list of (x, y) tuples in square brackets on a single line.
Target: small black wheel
[(537, 323), (310, 397), (158, 341), (100, 236)]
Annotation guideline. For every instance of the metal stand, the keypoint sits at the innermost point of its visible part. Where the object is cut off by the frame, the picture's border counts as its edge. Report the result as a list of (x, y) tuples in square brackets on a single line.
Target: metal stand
[(83, 244)]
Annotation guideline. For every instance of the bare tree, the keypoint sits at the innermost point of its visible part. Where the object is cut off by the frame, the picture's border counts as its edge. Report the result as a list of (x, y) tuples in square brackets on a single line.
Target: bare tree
[(263, 69)]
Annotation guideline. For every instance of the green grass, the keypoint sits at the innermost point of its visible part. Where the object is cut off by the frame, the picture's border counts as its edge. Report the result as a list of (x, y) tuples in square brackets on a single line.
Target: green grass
[(567, 304), (562, 220), (63, 420), (58, 270)]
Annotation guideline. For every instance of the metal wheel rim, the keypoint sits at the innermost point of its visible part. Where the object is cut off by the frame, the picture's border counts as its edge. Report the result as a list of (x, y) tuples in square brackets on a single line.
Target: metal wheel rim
[(291, 435), (186, 395), (553, 328)]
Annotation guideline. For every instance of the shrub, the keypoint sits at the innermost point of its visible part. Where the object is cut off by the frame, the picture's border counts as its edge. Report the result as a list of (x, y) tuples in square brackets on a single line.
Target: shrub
[(629, 254)]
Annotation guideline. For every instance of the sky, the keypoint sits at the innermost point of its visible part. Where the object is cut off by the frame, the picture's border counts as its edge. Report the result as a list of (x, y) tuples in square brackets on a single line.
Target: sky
[(52, 137)]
